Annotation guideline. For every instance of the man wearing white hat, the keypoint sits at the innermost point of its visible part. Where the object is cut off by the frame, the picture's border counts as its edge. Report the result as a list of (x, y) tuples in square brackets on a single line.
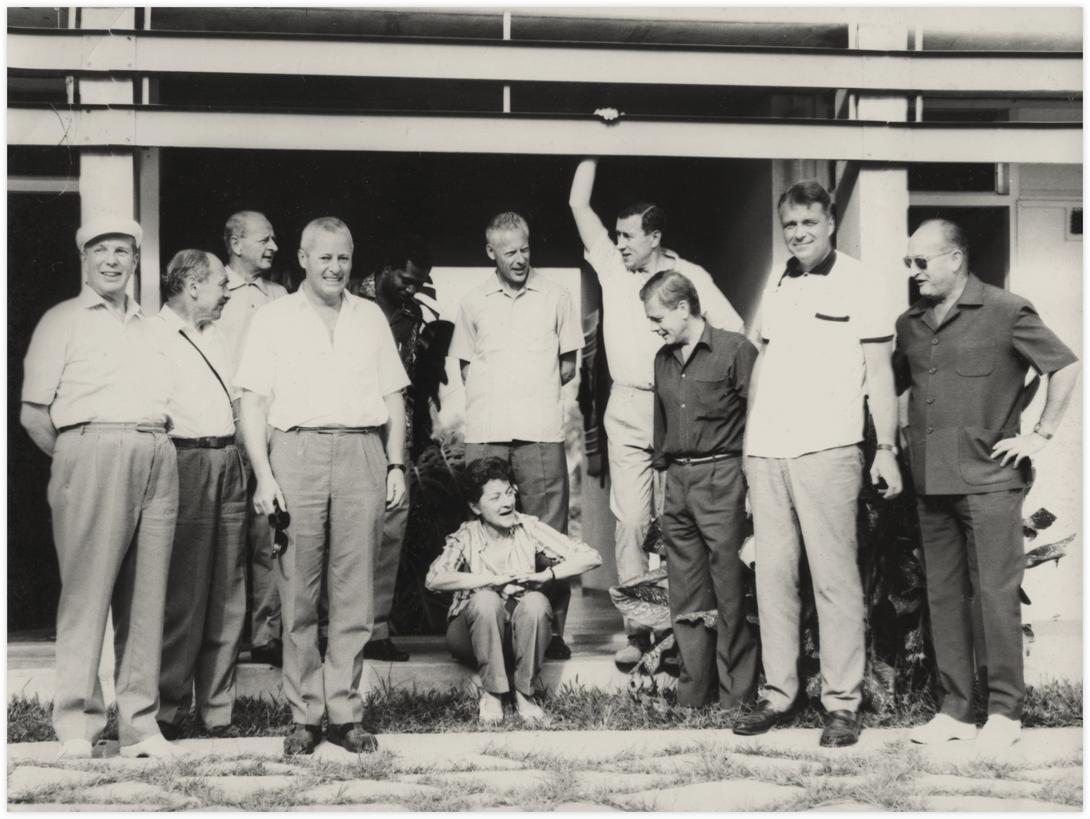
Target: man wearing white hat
[(95, 400)]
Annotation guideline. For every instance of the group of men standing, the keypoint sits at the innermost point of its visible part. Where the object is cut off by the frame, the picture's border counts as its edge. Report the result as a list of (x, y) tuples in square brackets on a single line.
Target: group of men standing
[(782, 416), (158, 505)]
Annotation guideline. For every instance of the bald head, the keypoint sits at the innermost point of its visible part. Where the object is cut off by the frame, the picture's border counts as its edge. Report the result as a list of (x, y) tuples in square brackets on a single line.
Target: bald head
[(250, 242), (938, 259)]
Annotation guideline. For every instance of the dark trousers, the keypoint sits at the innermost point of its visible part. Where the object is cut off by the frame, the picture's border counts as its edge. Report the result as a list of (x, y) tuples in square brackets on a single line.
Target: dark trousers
[(974, 562), (541, 472), (206, 587), (702, 526)]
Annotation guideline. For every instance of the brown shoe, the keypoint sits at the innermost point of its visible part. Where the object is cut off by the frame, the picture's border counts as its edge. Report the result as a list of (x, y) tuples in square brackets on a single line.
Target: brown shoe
[(352, 736), (303, 739), (841, 729)]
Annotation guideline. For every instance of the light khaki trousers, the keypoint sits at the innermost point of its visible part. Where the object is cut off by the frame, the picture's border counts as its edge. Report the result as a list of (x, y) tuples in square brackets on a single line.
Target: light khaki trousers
[(334, 486), (206, 589), (114, 497)]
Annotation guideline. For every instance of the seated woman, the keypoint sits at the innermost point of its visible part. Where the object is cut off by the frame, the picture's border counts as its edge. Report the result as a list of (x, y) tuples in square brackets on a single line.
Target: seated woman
[(499, 616)]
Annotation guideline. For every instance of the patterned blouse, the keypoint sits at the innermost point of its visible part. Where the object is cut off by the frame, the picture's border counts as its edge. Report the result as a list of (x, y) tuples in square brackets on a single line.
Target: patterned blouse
[(466, 550)]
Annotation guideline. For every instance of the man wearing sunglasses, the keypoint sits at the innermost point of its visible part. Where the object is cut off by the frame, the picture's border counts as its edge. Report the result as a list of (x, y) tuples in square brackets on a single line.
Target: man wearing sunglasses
[(330, 409), (825, 338), (963, 352)]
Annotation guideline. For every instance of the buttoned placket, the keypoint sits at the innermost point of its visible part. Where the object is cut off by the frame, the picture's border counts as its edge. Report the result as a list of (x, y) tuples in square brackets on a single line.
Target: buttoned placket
[(933, 364)]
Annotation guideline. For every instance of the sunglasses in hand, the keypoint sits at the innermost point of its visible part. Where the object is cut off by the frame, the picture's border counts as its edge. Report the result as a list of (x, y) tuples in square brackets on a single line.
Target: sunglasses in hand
[(280, 520)]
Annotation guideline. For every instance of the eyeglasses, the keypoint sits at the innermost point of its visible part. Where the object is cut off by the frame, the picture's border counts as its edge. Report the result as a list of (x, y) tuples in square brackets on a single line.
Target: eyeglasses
[(921, 261), (280, 520)]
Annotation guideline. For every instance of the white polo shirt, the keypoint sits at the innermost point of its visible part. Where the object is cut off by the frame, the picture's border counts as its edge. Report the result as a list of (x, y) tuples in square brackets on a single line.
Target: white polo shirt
[(86, 363), (513, 343), (312, 381), (630, 343), (199, 407), (810, 384), (246, 298)]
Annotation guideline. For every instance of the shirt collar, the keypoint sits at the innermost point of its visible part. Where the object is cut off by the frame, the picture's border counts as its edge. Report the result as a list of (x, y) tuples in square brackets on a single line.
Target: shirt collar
[(172, 319), (235, 281), (533, 282), (89, 298), (971, 296), (303, 302), (822, 268), (705, 340)]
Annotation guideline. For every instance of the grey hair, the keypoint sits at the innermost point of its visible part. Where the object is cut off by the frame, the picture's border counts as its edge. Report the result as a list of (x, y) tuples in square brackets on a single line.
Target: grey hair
[(191, 264), (324, 224), (508, 220), (236, 226)]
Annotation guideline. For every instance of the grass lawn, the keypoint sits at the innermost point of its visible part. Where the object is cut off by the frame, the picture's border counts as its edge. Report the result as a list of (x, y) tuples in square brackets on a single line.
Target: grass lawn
[(571, 708)]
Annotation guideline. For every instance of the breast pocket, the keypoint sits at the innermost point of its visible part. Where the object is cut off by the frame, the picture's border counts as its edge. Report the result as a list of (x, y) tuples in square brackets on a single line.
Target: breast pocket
[(712, 398), (976, 360)]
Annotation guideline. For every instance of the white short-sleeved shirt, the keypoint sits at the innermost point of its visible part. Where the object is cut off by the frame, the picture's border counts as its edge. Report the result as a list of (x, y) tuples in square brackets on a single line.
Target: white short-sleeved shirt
[(310, 380), (513, 343), (246, 298), (86, 363), (630, 343), (198, 405), (810, 384)]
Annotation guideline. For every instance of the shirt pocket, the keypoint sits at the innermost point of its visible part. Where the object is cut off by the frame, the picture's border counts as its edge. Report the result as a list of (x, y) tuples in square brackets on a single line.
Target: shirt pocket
[(976, 360), (712, 397)]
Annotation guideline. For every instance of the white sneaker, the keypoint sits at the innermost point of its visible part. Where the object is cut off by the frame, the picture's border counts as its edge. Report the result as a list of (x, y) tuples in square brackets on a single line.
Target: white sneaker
[(489, 708), (75, 749), (999, 733), (530, 711), (154, 747), (942, 728)]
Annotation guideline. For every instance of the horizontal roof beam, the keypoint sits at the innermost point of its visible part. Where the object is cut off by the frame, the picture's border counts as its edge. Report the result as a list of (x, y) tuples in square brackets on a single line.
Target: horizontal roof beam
[(151, 52), (134, 126)]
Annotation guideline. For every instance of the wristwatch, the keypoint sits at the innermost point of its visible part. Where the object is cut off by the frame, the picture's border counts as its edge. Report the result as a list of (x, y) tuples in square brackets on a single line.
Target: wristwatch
[(1046, 435), (391, 467), (891, 447)]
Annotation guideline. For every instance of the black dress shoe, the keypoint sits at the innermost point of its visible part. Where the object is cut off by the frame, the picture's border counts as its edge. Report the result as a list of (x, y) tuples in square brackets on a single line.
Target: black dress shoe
[(352, 736), (303, 739), (384, 651), (170, 730), (841, 729), (761, 719), (272, 653), (557, 649)]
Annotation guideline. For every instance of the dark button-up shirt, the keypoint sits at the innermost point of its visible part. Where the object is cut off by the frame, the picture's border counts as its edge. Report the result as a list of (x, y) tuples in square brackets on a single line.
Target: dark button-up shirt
[(967, 386), (700, 404)]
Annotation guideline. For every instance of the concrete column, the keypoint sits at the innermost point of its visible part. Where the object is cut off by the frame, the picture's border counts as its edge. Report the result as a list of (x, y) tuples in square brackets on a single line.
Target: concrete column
[(872, 200)]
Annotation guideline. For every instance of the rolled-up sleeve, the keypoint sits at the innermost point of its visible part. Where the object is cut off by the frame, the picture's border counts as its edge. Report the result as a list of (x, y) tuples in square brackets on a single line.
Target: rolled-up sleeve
[(451, 559), (1037, 344), (45, 358), (557, 547)]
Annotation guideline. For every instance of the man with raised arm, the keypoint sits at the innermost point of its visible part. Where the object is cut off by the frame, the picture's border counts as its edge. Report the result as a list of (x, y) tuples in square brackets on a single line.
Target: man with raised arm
[(302, 373), (623, 267)]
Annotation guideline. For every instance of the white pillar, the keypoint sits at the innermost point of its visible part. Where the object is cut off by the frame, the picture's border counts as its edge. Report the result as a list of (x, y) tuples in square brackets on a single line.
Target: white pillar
[(872, 200)]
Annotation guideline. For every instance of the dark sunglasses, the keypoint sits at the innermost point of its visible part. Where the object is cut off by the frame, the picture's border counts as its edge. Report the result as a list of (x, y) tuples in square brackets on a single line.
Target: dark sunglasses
[(921, 261), (280, 520)]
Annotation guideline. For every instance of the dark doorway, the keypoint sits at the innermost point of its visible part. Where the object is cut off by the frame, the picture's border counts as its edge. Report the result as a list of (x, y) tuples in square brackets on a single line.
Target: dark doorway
[(43, 269)]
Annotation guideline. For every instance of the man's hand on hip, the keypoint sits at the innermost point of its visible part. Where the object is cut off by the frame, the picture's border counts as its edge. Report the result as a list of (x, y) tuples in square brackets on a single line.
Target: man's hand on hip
[(1018, 447)]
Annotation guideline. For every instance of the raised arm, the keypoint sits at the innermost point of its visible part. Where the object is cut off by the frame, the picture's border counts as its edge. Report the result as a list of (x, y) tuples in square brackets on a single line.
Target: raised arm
[(588, 224)]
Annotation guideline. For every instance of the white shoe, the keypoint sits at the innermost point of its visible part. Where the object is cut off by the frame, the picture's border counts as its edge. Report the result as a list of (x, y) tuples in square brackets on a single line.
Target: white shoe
[(999, 733), (942, 728), (75, 749), (530, 711), (489, 708), (154, 747)]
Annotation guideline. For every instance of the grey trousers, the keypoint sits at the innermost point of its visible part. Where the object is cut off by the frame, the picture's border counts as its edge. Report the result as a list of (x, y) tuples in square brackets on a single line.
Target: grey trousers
[(703, 529), (973, 558), (206, 589), (541, 472), (335, 489), (810, 503), (493, 635), (388, 559), (114, 496)]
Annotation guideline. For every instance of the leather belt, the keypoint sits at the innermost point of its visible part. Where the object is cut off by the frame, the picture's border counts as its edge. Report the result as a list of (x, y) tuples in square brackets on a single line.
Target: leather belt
[(208, 442), (336, 430), (118, 426), (704, 459)]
